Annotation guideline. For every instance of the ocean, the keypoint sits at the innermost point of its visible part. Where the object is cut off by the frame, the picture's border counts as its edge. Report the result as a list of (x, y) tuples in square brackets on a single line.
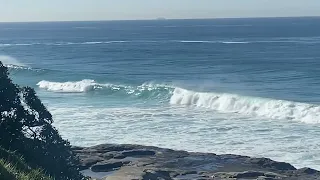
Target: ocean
[(241, 86)]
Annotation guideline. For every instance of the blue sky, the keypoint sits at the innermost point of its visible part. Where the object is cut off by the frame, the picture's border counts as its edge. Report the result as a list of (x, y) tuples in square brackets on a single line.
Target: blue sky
[(66, 10)]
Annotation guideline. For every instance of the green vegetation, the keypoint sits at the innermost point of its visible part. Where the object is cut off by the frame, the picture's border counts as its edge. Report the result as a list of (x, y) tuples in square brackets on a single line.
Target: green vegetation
[(26, 128), (13, 167)]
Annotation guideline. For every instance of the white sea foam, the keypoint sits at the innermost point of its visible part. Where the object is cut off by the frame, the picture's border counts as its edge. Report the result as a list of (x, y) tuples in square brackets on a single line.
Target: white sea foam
[(188, 128), (186, 41), (235, 42), (69, 87), (82, 86), (18, 44), (87, 85), (225, 103), (249, 106), (100, 42), (217, 42), (97, 42), (62, 43)]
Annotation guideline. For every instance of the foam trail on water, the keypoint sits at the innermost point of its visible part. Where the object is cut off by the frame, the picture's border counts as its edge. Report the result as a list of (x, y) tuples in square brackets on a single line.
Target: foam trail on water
[(251, 106)]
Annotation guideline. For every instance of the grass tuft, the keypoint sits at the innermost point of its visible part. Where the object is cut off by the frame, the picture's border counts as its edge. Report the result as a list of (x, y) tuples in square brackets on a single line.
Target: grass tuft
[(13, 167)]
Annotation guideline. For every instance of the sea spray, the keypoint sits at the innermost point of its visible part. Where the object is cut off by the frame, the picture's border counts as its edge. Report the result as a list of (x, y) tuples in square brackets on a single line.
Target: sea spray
[(10, 61)]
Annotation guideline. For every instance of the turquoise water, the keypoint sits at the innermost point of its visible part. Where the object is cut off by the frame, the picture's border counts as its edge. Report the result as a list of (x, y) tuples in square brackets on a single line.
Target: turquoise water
[(243, 86)]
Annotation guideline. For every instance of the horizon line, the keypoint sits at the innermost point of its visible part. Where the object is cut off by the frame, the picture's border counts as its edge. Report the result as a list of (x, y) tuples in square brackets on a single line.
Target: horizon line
[(161, 19)]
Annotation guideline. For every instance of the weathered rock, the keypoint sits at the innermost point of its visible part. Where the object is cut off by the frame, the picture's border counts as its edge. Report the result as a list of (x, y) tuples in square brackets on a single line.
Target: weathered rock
[(86, 162), (141, 152), (112, 147), (126, 173), (307, 171), (247, 174), (188, 172), (156, 175), (268, 163), (119, 156), (107, 166), (128, 162), (265, 178), (108, 155)]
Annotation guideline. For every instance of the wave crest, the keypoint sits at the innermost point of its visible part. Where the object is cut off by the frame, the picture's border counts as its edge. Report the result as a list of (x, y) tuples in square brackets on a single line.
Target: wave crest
[(80, 86), (252, 106), (221, 102), (88, 85)]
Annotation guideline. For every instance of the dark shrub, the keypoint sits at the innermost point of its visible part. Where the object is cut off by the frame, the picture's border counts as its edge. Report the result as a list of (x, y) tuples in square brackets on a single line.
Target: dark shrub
[(26, 127)]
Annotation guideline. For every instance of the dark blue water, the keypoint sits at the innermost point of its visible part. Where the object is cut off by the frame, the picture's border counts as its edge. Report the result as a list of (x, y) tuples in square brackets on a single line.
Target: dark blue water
[(184, 84)]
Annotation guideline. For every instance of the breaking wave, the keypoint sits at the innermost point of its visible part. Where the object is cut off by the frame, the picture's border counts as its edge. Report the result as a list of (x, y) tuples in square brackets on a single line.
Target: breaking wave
[(249, 106), (221, 102), (88, 85), (70, 87)]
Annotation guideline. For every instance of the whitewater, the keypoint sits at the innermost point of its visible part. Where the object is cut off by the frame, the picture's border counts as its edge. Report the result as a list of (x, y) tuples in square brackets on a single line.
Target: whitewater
[(239, 86), (222, 102)]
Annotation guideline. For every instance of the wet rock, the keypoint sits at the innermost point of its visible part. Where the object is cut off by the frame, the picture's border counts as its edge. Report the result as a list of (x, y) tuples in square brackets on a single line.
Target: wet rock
[(107, 166), (129, 162), (108, 155), (156, 175), (119, 156), (141, 152), (76, 148), (307, 171), (86, 162), (112, 147), (265, 178), (188, 172), (268, 163), (247, 174)]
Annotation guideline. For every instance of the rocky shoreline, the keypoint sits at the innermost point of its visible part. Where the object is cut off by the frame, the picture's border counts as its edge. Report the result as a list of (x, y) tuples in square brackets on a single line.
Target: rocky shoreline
[(135, 162)]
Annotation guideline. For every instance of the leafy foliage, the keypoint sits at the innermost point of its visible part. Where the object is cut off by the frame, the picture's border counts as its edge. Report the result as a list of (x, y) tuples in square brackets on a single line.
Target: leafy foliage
[(13, 167), (26, 127)]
